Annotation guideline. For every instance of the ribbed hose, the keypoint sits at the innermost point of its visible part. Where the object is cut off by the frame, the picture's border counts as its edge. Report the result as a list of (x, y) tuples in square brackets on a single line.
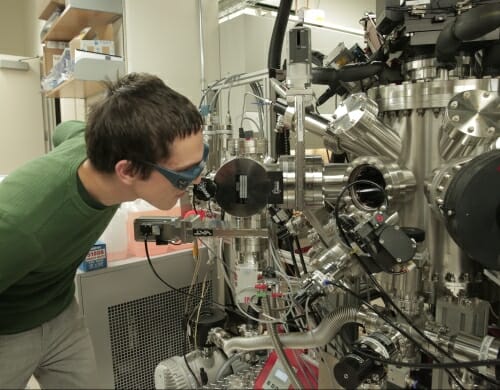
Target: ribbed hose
[(319, 336), (278, 347)]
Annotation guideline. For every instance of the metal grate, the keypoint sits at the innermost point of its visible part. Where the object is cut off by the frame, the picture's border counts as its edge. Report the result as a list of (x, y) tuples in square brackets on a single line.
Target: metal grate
[(144, 332)]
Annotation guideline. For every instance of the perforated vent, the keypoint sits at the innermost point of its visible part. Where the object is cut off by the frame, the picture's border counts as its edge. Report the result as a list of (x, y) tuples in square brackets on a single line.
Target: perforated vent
[(146, 331)]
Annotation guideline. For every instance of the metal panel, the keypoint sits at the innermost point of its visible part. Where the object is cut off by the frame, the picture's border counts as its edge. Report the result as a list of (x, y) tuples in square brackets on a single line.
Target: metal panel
[(146, 331), (134, 319)]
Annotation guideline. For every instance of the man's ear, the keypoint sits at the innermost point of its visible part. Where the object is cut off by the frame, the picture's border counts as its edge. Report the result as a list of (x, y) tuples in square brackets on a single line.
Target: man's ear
[(124, 172)]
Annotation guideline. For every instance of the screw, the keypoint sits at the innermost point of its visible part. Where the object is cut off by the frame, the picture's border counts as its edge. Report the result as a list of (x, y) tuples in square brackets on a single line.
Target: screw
[(399, 260), (467, 94), (491, 130), (455, 118), (486, 94), (454, 104), (470, 129)]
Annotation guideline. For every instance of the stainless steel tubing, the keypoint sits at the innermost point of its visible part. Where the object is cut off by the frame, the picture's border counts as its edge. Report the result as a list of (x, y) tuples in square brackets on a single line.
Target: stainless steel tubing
[(317, 337)]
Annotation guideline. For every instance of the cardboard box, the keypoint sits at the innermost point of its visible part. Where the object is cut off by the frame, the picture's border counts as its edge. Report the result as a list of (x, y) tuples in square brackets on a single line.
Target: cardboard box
[(96, 258), (88, 40), (45, 8), (94, 46), (52, 51)]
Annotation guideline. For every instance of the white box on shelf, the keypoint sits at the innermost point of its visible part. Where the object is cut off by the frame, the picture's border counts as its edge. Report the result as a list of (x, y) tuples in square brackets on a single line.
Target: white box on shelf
[(94, 66)]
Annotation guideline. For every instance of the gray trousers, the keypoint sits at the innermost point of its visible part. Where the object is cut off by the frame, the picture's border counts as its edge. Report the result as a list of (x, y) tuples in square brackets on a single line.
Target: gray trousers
[(58, 353)]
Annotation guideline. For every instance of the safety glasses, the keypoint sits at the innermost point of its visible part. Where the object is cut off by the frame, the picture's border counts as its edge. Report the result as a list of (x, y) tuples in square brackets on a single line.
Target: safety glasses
[(183, 179)]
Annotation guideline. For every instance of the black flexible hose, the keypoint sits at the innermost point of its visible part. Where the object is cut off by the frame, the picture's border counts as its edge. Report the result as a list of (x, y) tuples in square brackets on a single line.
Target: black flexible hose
[(491, 61), (278, 35), (351, 72), (467, 26), (279, 108)]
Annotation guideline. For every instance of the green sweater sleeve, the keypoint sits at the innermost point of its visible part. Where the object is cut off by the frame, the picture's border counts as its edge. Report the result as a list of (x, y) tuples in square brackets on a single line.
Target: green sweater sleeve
[(67, 130), (19, 254)]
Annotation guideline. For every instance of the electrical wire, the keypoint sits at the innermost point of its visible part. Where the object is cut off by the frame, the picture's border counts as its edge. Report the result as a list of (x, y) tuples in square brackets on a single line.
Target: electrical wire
[(203, 290), (477, 363), (395, 327), (243, 116), (387, 299), (251, 120), (187, 363), (301, 255), (238, 306), (168, 284), (422, 334), (292, 255), (258, 91), (225, 270)]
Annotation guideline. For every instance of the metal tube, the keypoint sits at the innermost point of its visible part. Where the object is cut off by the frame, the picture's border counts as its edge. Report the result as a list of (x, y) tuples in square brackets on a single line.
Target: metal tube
[(202, 45), (317, 337), (300, 151)]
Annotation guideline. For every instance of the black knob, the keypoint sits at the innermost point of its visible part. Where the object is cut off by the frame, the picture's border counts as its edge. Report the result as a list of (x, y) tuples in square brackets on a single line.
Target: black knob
[(352, 370), (205, 190)]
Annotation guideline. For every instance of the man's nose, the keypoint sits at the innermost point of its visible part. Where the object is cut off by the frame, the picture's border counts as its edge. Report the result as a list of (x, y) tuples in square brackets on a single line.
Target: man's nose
[(197, 180)]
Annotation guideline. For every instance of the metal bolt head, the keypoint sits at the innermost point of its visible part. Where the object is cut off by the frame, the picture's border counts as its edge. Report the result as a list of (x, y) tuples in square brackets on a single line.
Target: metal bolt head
[(454, 104), (455, 118), (470, 129), (491, 130), (399, 260), (466, 94)]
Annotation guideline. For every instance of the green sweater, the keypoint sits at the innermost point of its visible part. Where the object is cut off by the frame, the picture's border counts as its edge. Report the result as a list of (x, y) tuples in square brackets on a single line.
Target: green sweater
[(47, 226)]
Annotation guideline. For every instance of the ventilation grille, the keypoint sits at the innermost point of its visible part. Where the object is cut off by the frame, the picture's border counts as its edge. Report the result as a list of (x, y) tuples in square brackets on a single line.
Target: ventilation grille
[(146, 331)]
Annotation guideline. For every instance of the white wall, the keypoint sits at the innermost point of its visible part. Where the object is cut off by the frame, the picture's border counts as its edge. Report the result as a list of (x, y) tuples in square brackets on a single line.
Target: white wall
[(162, 37), (14, 37), (21, 133), (244, 40)]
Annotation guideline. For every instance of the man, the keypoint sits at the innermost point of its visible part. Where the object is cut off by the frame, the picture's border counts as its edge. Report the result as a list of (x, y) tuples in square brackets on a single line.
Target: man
[(143, 140)]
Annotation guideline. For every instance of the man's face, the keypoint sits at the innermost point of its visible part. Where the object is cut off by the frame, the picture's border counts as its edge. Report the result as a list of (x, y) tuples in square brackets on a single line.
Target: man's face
[(184, 154)]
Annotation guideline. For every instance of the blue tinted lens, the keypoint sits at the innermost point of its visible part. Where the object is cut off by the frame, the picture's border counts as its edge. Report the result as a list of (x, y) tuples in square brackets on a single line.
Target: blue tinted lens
[(183, 179)]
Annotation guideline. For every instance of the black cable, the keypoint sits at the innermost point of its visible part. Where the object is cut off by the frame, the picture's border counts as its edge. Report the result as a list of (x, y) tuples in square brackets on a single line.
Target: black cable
[(477, 363), (400, 330), (387, 298), (168, 284), (384, 295), (224, 263), (339, 197), (187, 363), (292, 254), (179, 291), (301, 255)]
